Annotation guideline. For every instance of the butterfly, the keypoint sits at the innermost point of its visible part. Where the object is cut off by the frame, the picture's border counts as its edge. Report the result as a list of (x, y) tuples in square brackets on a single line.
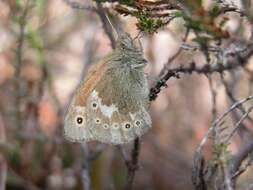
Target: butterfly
[(111, 104)]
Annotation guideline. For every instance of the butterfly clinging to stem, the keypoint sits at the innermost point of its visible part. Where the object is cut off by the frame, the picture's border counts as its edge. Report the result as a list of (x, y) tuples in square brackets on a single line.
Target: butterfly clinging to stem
[(111, 104)]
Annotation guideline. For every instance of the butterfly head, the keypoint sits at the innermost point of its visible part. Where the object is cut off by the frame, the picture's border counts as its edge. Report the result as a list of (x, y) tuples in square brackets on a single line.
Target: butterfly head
[(127, 43), (130, 51)]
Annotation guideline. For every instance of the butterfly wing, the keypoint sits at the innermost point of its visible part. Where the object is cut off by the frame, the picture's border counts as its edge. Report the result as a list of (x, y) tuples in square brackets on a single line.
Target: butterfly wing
[(107, 124), (105, 109), (78, 131)]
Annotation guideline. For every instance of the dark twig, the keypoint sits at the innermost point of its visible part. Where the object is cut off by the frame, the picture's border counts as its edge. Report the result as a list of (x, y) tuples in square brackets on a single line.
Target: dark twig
[(106, 25), (238, 124), (132, 165), (232, 98), (241, 156), (85, 171), (198, 176), (238, 60), (243, 168), (22, 21)]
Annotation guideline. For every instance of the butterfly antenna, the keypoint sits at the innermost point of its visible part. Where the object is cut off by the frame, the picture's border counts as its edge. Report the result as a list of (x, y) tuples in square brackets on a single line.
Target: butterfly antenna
[(113, 28)]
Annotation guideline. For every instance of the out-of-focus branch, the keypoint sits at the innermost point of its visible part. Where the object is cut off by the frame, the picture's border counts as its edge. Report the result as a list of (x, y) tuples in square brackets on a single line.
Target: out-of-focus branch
[(22, 21), (85, 171), (214, 103), (78, 5), (22, 181), (3, 165), (106, 25)]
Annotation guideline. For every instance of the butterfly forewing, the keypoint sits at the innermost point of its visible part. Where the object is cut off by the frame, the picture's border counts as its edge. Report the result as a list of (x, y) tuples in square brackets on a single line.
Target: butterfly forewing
[(112, 103)]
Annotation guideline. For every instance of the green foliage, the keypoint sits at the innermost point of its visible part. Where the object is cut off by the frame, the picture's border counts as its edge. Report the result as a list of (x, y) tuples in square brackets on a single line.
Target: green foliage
[(215, 11), (195, 25), (34, 38), (179, 14), (126, 2), (18, 4), (221, 153), (14, 156), (147, 24), (202, 40), (67, 155), (35, 41)]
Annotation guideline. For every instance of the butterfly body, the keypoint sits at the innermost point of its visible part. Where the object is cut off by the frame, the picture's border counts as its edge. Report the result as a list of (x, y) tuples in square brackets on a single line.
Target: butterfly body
[(111, 104)]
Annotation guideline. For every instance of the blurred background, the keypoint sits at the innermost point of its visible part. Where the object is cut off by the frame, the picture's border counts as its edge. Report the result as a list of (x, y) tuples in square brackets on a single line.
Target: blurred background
[(46, 49)]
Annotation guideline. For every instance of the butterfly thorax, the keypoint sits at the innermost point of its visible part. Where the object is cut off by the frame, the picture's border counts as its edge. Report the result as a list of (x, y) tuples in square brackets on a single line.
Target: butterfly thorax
[(128, 84)]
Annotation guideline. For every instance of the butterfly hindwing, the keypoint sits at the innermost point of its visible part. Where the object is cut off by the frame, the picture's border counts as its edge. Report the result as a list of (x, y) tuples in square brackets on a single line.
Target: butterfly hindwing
[(110, 126)]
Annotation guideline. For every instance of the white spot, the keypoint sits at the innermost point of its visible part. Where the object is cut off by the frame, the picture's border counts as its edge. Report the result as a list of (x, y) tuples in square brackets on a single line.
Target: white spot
[(79, 109), (132, 115), (106, 110), (94, 94)]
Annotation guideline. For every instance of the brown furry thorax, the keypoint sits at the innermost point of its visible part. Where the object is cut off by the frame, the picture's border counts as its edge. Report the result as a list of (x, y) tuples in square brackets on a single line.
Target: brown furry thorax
[(128, 52)]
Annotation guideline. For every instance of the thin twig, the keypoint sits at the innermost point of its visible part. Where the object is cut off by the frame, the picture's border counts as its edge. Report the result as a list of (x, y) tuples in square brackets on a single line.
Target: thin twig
[(219, 120), (106, 25), (238, 124), (232, 98), (238, 61), (22, 21), (238, 158), (214, 111), (242, 169), (85, 171), (132, 165)]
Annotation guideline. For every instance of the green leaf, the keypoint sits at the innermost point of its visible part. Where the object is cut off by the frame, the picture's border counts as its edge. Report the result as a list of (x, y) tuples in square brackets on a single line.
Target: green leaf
[(215, 11), (179, 14), (18, 4), (126, 2), (147, 24)]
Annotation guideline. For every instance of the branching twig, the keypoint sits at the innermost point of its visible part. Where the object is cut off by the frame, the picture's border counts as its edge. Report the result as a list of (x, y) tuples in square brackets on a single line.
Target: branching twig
[(237, 61), (198, 158), (238, 158), (238, 124)]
